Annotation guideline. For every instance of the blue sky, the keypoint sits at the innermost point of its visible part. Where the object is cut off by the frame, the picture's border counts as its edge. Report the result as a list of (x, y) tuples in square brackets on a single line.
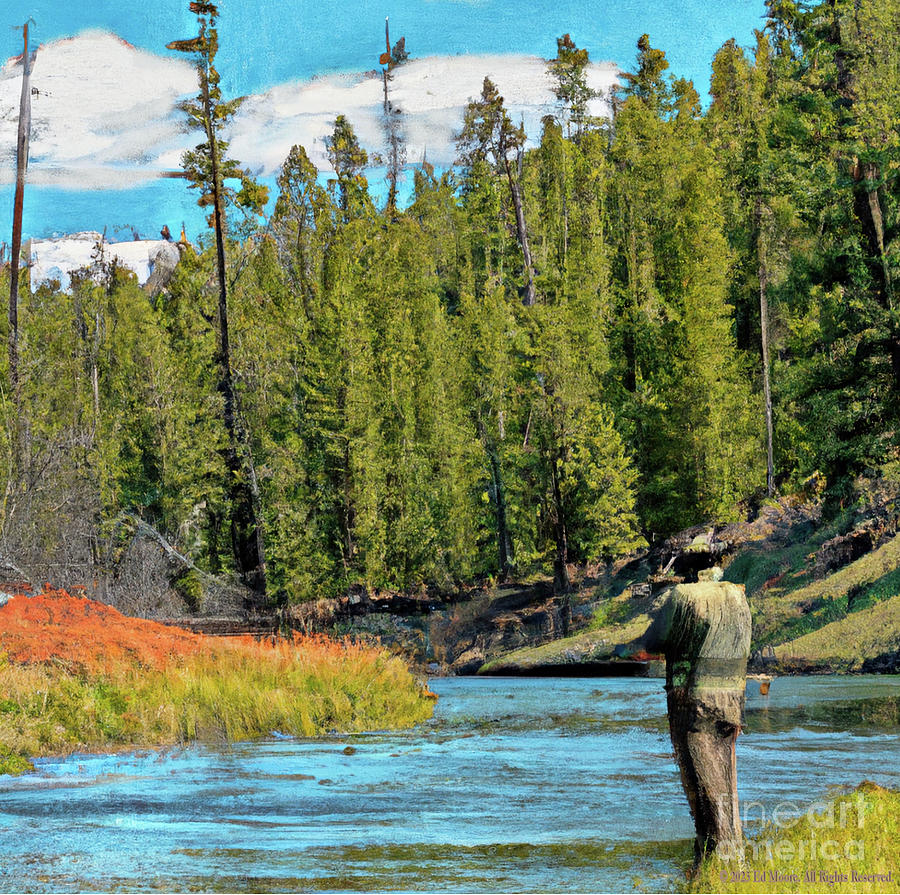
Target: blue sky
[(266, 48)]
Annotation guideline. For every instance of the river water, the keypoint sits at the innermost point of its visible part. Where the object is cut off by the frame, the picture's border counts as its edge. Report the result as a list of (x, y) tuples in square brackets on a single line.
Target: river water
[(515, 785)]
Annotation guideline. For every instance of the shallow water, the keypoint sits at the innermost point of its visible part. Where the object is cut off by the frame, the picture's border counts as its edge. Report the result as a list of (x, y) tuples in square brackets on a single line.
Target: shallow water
[(515, 785)]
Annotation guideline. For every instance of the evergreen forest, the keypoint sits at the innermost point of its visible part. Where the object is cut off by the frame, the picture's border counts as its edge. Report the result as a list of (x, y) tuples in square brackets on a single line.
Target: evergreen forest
[(569, 345)]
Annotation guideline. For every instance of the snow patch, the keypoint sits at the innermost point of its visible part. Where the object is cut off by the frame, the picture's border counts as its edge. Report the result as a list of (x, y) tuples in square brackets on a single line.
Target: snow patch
[(56, 259)]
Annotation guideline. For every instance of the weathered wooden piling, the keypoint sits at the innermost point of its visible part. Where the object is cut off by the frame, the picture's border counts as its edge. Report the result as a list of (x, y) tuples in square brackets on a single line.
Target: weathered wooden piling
[(704, 631)]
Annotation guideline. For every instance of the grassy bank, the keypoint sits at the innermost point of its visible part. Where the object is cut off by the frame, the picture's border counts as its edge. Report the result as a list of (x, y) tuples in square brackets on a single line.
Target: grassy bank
[(619, 619), (849, 844), (844, 644), (77, 675), (783, 614)]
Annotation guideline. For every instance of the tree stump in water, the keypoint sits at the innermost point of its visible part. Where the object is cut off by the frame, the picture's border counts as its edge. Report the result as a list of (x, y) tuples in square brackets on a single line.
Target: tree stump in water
[(704, 631)]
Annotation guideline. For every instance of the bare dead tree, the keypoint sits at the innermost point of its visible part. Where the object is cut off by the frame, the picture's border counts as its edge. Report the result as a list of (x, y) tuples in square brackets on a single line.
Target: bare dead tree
[(18, 205)]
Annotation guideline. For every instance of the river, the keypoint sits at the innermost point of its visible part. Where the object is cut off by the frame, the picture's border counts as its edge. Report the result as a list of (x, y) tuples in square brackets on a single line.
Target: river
[(515, 785)]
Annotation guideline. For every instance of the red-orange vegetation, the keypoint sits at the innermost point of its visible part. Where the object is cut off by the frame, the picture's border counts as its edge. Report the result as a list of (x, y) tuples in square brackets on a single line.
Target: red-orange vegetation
[(644, 656), (58, 627)]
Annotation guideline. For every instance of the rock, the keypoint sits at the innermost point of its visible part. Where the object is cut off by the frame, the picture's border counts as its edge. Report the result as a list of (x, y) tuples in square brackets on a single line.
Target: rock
[(702, 553), (700, 544), (162, 267), (886, 663), (842, 550), (468, 662), (713, 574), (765, 656)]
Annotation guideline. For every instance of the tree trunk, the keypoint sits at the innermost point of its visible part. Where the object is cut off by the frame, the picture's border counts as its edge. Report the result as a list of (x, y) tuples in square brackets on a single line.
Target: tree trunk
[(868, 211), (18, 204), (521, 233), (390, 125), (560, 563), (704, 630), (869, 174), (243, 488), (764, 327), (874, 203)]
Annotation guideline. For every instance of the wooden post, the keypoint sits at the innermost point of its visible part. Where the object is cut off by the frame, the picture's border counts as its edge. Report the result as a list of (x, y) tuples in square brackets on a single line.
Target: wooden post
[(704, 631), (18, 203)]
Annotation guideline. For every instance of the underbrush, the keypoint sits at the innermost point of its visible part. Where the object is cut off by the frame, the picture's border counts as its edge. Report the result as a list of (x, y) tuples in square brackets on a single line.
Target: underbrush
[(155, 686), (844, 845)]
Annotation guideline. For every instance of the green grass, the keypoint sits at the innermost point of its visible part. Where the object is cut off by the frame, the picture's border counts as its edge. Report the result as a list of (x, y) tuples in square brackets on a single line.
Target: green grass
[(845, 643), (615, 611), (842, 843), (784, 615), (233, 694), (831, 608), (13, 763)]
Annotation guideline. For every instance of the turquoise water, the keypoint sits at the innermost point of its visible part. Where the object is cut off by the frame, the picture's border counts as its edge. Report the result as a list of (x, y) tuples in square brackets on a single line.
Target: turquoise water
[(268, 42), (516, 785)]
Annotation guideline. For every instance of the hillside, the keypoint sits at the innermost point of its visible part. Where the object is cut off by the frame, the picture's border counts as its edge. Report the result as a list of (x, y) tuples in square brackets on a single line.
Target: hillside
[(861, 641), (816, 604)]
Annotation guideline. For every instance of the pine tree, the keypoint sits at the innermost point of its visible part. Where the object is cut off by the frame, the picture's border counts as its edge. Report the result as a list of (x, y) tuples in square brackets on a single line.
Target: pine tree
[(835, 65), (685, 389), (571, 89), (488, 135), (348, 161), (207, 168)]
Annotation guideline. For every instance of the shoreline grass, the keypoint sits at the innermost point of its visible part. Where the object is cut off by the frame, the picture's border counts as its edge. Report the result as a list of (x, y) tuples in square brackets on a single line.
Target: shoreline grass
[(154, 687), (846, 844)]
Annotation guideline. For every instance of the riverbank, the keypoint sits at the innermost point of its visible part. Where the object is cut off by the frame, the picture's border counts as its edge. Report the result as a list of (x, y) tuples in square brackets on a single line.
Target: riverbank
[(824, 592), (76, 675), (848, 844)]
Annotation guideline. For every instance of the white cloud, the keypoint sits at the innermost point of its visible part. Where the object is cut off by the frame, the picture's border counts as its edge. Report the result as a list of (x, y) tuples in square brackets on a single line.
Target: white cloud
[(107, 113), (431, 93)]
